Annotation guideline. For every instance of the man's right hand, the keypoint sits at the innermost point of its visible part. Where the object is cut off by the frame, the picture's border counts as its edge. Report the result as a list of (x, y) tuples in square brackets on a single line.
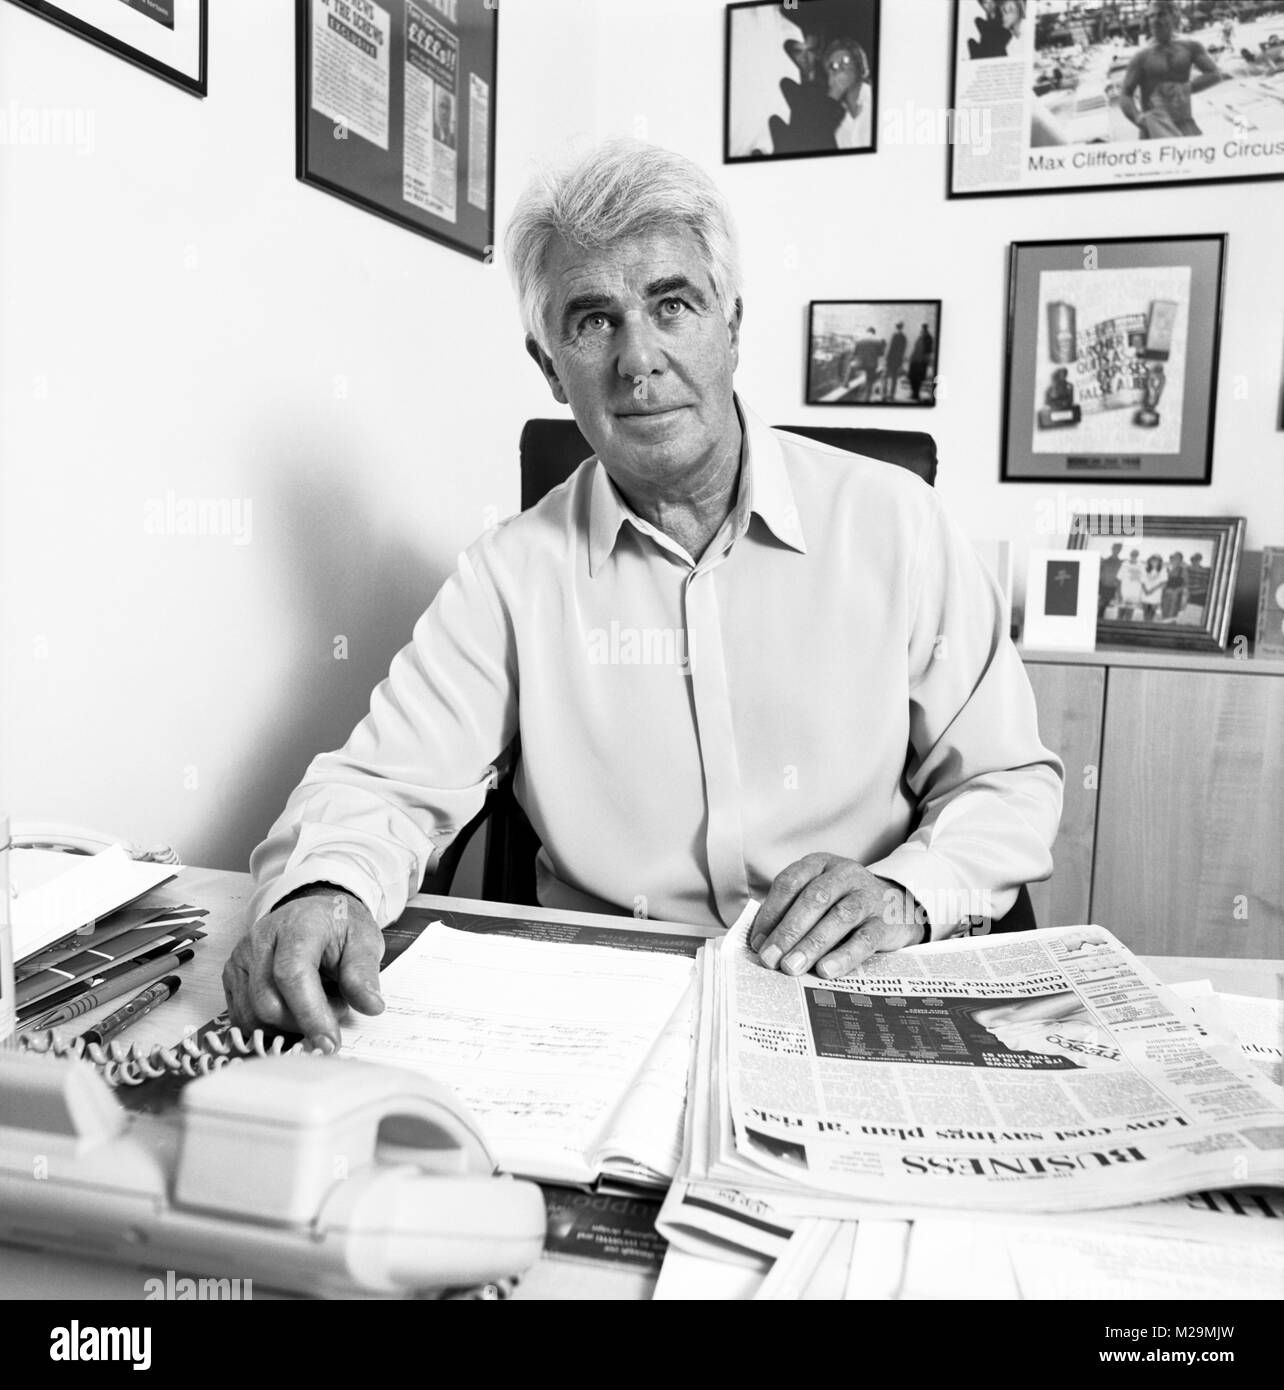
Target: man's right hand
[(274, 975)]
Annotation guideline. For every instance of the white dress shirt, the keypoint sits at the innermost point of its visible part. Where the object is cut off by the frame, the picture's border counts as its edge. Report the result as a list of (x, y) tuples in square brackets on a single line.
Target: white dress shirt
[(833, 674)]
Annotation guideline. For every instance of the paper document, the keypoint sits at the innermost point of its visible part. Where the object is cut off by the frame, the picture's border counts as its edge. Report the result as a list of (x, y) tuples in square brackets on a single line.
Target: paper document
[(54, 894), (541, 1041)]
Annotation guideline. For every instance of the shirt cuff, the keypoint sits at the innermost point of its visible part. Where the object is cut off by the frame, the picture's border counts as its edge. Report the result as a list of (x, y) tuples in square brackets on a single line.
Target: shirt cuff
[(952, 908), (314, 870)]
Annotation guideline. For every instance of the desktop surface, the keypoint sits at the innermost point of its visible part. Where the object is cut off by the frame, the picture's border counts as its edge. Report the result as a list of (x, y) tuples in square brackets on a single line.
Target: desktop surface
[(226, 895)]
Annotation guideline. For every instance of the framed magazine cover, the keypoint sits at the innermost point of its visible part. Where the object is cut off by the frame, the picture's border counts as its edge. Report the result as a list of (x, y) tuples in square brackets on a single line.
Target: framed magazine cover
[(396, 112), (1051, 95), (168, 38), (801, 80), (1112, 359), (1164, 581)]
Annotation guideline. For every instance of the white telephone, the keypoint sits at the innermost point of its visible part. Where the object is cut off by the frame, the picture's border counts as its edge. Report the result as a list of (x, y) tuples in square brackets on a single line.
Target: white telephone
[(318, 1175)]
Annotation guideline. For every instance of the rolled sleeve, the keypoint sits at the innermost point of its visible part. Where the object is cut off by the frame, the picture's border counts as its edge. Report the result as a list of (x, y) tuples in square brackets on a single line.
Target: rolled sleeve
[(373, 816), (989, 792)]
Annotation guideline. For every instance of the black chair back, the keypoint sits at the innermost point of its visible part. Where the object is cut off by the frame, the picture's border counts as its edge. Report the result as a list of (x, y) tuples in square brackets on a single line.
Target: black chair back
[(551, 450)]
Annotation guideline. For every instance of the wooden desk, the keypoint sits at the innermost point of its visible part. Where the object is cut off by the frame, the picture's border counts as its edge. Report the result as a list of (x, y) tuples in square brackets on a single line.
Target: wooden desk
[(226, 895)]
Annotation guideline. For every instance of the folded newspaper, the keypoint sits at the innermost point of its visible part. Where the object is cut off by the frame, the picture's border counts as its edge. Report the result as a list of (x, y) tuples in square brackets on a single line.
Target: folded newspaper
[(1050, 1071)]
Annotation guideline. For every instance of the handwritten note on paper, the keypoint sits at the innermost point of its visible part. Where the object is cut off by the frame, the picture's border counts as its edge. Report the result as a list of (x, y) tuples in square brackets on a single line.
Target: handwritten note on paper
[(540, 1041)]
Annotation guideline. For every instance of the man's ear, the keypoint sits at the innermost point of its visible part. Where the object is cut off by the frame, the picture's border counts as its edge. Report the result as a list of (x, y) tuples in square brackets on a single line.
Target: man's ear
[(545, 363), (733, 328)]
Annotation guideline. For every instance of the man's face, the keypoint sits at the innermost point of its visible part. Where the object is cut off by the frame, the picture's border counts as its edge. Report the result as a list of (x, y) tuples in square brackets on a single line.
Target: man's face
[(841, 73), (641, 351), (1161, 22)]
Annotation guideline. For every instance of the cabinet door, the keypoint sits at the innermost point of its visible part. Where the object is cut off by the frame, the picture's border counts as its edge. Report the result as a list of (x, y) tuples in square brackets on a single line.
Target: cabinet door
[(1070, 704), (1190, 826)]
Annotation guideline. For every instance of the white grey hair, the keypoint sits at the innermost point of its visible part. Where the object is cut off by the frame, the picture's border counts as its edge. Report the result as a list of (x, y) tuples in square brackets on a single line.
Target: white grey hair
[(619, 189)]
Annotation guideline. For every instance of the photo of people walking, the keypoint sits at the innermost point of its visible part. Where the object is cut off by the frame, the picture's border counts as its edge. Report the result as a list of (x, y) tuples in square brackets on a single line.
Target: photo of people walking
[(873, 352)]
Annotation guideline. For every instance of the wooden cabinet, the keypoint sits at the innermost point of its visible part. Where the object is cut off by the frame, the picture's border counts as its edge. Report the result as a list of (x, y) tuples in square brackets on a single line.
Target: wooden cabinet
[(1179, 846), (1071, 701)]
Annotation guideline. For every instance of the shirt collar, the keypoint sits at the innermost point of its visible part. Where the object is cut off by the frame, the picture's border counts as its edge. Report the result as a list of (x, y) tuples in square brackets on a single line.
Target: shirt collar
[(764, 489)]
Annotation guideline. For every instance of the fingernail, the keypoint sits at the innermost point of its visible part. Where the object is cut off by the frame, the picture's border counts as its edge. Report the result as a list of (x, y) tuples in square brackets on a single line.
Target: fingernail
[(322, 1044), (771, 956), (794, 961), (826, 968)]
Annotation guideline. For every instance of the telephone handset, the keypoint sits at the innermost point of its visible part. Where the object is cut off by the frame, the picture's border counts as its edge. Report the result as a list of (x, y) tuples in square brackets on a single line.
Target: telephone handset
[(312, 1174)]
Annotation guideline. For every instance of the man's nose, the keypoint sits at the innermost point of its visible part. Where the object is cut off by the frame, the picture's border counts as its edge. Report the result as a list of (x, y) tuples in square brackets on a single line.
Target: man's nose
[(641, 351)]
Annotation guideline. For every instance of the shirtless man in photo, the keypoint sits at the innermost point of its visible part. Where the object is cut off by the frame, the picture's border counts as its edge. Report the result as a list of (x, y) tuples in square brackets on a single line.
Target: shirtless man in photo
[(1163, 72)]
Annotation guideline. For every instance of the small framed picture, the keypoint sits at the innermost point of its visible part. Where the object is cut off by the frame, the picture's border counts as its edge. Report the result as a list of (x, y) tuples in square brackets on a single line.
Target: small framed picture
[(168, 38), (1165, 581), (1270, 605), (801, 79), (872, 351), (1061, 599), (1112, 359)]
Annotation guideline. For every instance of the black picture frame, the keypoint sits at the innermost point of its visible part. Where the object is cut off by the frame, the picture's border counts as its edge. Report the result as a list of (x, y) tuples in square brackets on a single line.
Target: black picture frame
[(833, 354), (798, 90), (1103, 426), (196, 83), (1213, 147), (344, 157), (1204, 598)]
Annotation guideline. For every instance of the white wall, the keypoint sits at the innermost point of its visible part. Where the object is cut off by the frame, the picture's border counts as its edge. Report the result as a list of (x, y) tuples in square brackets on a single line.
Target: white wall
[(179, 315)]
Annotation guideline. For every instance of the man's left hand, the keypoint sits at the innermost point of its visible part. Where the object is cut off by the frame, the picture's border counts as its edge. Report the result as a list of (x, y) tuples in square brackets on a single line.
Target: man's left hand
[(828, 915)]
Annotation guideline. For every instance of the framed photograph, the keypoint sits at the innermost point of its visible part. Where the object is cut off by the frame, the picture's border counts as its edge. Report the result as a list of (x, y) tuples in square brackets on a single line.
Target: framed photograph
[(872, 351), (168, 38), (396, 112), (801, 79), (1112, 358), (1165, 581), (1050, 95), (1061, 599), (1269, 640)]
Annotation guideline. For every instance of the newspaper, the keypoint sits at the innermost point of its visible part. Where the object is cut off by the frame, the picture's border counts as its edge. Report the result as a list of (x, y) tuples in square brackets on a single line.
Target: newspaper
[(1050, 1071), (1065, 96)]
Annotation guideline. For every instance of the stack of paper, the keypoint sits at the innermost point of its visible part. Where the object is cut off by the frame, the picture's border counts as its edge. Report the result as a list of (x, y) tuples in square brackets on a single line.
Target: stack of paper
[(1014, 1076), (76, 946), (571, 1057)]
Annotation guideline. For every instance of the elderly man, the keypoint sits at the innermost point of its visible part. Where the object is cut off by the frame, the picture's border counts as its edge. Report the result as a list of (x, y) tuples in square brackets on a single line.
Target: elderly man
[(837, 723)]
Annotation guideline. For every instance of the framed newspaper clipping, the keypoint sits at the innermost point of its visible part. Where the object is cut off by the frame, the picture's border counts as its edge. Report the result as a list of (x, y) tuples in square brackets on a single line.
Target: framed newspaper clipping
[(1112, 359), (168, 38), (396, 112), (1051, 95)]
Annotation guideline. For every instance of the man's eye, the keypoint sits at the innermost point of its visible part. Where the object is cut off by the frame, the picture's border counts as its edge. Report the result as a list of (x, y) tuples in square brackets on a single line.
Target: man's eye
[(595, 323), (671, 308)]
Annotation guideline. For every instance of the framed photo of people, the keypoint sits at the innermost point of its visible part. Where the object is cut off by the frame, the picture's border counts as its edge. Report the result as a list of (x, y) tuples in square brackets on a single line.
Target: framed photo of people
[(1050, 95), (872, 351), (168, 38), (1164, 581), (1112, 356), (396, 112), (801, 79)]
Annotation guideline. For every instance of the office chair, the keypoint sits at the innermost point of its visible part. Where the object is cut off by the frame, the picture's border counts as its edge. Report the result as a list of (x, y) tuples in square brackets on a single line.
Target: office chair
[(551, 450)]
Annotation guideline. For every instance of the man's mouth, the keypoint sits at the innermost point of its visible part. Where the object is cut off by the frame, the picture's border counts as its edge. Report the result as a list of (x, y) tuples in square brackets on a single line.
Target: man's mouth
[(652, 410)]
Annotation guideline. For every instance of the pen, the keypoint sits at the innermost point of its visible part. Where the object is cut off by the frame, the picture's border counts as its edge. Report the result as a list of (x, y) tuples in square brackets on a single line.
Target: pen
[(142, 1003), (145, 974), (46, 988)]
